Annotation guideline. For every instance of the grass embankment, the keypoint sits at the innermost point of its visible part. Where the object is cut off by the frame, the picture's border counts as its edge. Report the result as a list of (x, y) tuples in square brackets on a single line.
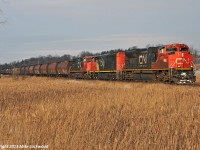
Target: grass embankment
[(69, 114)]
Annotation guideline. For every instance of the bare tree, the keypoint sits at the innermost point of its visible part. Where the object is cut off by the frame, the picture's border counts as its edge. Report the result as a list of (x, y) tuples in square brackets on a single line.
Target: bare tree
[(195, 54), (2, 20), (1, 13)]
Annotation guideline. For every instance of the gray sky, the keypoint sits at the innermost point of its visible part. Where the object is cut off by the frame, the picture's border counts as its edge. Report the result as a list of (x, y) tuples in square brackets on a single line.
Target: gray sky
[(57, 27)]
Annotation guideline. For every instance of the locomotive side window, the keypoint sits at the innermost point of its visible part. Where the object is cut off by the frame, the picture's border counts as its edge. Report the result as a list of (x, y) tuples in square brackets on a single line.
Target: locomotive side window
[(171, 49), (161, 50), (183, 49)]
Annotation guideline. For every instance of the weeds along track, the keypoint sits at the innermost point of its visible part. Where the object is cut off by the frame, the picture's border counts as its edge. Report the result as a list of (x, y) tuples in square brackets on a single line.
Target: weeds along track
[(132, 81), (79, 114)]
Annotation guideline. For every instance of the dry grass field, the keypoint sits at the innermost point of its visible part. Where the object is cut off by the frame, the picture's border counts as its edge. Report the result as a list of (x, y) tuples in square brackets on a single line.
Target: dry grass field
[(197, 66), (77, 114)]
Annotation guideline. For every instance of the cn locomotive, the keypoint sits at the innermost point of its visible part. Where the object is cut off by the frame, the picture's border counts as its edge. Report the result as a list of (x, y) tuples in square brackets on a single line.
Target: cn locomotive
[(169, 63)]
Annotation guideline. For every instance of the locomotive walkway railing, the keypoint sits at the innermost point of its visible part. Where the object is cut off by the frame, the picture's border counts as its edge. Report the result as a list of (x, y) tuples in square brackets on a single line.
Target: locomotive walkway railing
[(171, 69), (194, 66)]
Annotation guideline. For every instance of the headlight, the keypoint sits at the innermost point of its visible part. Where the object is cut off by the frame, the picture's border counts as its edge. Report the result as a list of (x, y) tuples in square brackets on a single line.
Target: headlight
[(183, 74)]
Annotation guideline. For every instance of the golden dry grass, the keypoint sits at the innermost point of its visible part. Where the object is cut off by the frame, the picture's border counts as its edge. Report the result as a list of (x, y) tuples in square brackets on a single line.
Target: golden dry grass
[(71, 114), (197, 66)]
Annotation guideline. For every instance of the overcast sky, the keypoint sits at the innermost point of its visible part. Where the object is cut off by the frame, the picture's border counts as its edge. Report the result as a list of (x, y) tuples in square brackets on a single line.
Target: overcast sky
[(57, 27)]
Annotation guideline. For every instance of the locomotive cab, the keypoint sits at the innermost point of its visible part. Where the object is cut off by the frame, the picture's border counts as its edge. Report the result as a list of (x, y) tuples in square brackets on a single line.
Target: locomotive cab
[(179, 57), (180, 63), (90, 63)]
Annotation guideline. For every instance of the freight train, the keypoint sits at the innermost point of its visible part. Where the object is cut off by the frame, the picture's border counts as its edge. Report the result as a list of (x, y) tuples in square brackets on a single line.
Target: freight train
[(169, 63)]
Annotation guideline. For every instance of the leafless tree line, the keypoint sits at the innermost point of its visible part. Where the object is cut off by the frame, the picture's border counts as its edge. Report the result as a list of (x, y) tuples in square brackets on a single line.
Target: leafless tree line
[(2, 21)]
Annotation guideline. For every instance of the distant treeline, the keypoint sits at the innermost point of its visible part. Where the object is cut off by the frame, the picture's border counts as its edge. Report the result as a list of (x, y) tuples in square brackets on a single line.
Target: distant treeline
[(50, 59)]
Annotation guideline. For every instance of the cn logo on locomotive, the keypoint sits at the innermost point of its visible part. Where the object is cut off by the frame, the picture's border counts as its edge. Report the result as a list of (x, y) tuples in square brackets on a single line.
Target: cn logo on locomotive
[(142, 59), (180, 61)]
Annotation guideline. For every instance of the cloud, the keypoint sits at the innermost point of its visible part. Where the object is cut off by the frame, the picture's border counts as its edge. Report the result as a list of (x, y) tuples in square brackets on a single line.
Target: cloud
[(124, 40), (48, 5), (82, 7), (93, 44), (42, 27)]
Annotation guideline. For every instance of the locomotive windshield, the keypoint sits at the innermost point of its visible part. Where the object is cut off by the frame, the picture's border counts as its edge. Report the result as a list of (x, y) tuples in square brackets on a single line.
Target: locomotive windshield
[(171, 49)]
